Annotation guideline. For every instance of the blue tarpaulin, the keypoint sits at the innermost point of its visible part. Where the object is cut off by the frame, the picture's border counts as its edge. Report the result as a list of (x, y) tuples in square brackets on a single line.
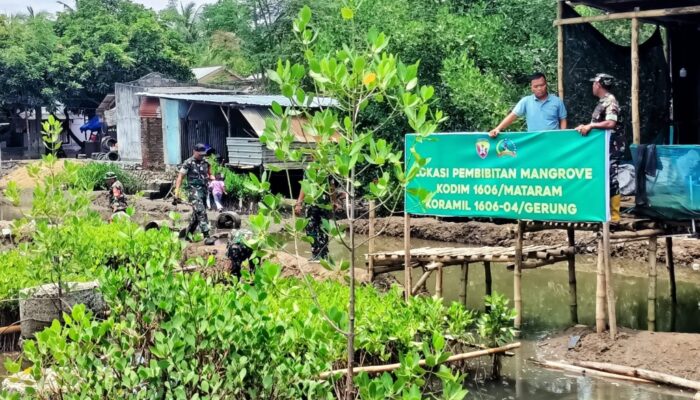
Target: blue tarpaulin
[(94, 124)]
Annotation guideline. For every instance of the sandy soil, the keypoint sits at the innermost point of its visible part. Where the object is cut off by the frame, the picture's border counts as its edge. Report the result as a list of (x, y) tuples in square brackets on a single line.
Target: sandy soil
[(21, 177), (685, 251), (672, 353)]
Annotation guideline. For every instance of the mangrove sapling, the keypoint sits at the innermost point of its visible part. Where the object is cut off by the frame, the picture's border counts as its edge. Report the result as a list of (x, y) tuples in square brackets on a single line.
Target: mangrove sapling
[(360, 73), (495, 327)]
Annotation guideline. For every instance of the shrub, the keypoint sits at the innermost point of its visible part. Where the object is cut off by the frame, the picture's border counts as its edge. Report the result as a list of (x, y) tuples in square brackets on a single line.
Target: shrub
[(91, 176)]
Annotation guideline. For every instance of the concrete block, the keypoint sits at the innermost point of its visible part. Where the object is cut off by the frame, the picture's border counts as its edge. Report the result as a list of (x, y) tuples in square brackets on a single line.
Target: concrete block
[(39, 306)]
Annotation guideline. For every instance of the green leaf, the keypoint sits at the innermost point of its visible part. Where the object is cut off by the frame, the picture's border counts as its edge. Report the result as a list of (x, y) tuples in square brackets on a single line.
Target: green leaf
[(347, 13)]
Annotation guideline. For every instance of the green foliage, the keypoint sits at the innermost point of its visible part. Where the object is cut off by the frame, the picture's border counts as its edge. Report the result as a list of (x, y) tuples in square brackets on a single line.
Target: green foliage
[(496, 326), (51, 130), (91, 176)]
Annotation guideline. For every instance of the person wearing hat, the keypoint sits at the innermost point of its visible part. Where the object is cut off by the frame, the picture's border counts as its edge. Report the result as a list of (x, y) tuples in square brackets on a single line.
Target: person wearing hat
[(198, 173), (238, 251), (606, 115), (117, 198), (542, 110)]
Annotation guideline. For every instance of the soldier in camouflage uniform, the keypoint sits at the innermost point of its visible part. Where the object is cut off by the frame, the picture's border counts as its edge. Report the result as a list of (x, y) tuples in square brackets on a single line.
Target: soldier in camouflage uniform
[(115, 194), (606, 115), (237, 251), (198, 173), (316, 213)]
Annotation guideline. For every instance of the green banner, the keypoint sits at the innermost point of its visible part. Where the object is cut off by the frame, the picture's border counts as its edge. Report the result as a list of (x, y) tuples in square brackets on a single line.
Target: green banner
[(545, 176)]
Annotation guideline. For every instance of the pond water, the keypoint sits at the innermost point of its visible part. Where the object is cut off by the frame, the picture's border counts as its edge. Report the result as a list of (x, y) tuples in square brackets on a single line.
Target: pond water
[(546, 310)]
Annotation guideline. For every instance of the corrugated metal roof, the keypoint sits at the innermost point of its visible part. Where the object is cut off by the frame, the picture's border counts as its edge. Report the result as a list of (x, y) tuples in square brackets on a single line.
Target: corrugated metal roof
[(201, 72), (256, 118), (184, 90), (241, 99)]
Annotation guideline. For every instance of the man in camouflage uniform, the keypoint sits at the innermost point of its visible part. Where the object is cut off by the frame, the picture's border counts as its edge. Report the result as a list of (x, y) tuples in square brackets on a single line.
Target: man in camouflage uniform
[(198, 173), (237, 251), (606, 115), (316, 213), (115, 194)]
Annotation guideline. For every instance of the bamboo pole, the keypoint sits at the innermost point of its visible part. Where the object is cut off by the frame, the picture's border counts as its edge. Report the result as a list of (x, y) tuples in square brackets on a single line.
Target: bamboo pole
[(421, 281), (390, 367), (671, 269), (667, 12), (651, 296), (636, 126), (488, 282), (464, 284), (438, 281), (407, 253), (10, 329), (560, 50), (589, 371), (370, 243), (645, 233), (517, 277), (659, 377), (571, 259), (600, 290), (610, 290)]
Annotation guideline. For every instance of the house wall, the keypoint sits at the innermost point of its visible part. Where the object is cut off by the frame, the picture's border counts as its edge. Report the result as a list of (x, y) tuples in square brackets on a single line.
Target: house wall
[(152, 142), (128, 122), (170, 110)]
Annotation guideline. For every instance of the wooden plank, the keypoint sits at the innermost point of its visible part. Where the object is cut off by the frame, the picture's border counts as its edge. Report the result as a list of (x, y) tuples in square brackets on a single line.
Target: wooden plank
[(666, 12), (671, 269), (600, 290), (571, 263)]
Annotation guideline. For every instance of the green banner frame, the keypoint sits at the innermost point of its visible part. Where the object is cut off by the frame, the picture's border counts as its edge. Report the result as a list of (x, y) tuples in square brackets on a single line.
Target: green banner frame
[(541, 176)]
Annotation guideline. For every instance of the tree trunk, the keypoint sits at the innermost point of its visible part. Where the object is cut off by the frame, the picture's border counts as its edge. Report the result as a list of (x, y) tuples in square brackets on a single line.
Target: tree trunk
[(349, 386)]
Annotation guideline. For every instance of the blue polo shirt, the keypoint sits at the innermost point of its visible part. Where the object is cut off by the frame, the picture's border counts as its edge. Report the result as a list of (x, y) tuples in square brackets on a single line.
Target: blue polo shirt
[(541, 115)]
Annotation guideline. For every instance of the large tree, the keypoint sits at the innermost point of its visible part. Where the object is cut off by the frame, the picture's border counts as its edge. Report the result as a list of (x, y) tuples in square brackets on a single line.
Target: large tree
[(108, 41)]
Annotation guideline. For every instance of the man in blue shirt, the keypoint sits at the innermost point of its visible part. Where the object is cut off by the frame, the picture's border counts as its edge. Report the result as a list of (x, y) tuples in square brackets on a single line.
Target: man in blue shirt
[(542, 111)]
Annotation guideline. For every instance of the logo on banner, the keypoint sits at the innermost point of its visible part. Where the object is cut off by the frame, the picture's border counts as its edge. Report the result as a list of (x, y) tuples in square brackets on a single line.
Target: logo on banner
[(482, 148), (506, 147)]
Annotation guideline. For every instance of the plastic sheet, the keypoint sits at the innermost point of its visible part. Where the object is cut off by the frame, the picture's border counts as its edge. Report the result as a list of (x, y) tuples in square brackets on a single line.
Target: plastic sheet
[(673, 190)]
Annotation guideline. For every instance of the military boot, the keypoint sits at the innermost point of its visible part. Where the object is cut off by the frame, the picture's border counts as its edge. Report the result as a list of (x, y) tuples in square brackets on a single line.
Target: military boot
[(208, 240), (615, 208)]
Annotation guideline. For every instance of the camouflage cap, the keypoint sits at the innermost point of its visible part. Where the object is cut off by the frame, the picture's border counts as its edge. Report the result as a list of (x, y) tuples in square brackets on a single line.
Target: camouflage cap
[(199, 147), (241, 235), (604, 79), (110, 175)]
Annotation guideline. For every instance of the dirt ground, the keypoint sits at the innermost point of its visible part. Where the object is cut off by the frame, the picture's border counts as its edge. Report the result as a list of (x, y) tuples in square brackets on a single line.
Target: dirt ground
[(685, 251), (292, 266), (672, 353)]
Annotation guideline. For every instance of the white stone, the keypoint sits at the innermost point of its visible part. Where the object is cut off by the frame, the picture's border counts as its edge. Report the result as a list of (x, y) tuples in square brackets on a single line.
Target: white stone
[(696, 266)]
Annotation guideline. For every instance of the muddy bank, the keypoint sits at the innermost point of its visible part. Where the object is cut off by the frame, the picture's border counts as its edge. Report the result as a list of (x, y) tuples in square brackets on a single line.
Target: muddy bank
[(685, 251), (671, 353), (292, 266)]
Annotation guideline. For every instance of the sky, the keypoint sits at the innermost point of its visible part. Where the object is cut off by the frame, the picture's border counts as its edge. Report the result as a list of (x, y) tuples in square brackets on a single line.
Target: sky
[(17, 6)]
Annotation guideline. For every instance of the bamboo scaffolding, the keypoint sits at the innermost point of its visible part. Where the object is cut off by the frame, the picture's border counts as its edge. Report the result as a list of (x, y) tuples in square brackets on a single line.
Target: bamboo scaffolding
[(390, 367), (438, 281), (370, 243), (571, 264), (464, 284), (645, 374), (610, 289), (423, 278), (667, 12), (517, 278), (407, 253), (636, 124), (600, 290), (671, 269), (651, 296)]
